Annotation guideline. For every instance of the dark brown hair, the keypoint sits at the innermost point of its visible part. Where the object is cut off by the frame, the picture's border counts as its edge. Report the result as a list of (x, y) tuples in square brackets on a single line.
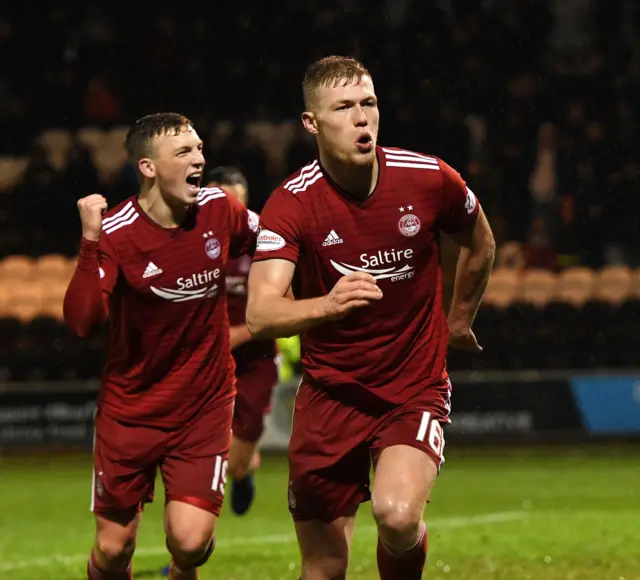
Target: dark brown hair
[(144, 130)]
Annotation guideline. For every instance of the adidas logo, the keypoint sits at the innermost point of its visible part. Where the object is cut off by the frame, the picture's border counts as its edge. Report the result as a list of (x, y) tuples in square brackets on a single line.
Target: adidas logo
[(151, 270), (332, 239)]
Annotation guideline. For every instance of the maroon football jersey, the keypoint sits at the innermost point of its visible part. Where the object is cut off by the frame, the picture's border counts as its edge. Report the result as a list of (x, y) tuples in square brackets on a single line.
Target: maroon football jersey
[(398, 345), (168, 354), (253, 351)]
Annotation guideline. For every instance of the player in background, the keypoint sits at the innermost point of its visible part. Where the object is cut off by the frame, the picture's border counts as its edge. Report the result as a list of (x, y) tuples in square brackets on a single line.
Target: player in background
[(256, 370), (155, 266), (356, 232)]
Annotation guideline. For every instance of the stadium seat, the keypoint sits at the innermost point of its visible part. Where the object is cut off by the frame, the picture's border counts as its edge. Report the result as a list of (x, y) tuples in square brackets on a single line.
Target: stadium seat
[(24, 299), (537, 287), (17, 268), (56, 144), (11, 171), (52, 267), (510, 255), (114, 138), (91, 138), (109, 160), (502, 288), (612, 284), (575, 285), (635, 284), (53, 297)]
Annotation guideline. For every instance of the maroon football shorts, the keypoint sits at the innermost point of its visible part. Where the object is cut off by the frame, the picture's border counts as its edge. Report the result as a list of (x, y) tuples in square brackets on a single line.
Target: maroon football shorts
[(192, 461), (255, 384), (334, 442)]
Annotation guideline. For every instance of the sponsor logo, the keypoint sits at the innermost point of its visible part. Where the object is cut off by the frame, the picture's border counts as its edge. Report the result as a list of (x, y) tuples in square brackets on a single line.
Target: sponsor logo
[(151, 270), (470, 202), (269, 241), (332, 239), (194, 287), (382, 265), (409, 225)]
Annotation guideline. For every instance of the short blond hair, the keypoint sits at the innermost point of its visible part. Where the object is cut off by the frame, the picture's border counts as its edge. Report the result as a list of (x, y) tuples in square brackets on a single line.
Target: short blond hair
[(331, 71)]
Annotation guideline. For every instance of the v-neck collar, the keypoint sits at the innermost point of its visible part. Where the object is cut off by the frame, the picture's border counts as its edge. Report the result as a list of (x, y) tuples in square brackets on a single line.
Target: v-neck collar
[(169, 232), (360, 203)]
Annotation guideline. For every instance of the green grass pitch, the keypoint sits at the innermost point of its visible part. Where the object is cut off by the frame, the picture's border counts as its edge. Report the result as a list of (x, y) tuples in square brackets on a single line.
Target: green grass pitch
[(554, 514)]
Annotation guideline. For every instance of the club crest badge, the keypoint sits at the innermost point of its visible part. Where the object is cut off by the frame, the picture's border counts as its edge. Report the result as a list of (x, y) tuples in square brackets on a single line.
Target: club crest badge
[(409, 225)]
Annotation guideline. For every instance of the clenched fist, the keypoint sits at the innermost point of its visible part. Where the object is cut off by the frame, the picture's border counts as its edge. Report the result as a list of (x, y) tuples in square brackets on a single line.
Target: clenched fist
[(352, 291), (91, 209)]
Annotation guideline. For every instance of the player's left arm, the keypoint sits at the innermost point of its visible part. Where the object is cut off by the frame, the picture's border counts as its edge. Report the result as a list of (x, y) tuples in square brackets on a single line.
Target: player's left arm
[(243, 234), (449, 252), (464, 221), (243, 228)]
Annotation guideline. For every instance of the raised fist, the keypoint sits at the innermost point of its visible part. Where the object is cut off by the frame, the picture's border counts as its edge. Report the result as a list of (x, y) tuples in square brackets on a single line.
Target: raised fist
[(91, 209)]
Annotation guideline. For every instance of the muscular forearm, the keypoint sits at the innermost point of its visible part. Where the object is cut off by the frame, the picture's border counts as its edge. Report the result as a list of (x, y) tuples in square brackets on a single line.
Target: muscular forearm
[(279, 316), (84, 306), (472, 274)]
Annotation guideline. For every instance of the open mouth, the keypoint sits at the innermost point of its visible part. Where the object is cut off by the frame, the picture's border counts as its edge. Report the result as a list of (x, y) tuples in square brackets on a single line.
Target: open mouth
[(364, 142), (193, 180)]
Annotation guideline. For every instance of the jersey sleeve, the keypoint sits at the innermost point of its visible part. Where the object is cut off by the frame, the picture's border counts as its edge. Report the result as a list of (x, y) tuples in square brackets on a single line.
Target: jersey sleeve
[(107, 265), (280, 228), (86, 301), (244, 228), (459, 205)]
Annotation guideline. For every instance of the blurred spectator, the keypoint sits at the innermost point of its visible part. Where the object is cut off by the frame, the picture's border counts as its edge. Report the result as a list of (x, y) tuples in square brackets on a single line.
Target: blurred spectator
[(533, 102)]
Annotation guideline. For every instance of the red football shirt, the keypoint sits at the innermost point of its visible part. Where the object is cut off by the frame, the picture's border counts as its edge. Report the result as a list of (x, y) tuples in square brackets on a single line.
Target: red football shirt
[(254, 351), (398, 345), (168, 355)]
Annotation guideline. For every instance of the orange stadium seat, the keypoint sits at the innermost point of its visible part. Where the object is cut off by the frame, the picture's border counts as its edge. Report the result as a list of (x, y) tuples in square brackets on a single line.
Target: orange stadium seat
[(51, 309), (510, 255), (502, 288), (537, 287), (613, 284), (53, 298), (57, 145), (24, 312), (4, 297), (52, 266), (635, 284), (23, 300), (575, 285), (17, 268)]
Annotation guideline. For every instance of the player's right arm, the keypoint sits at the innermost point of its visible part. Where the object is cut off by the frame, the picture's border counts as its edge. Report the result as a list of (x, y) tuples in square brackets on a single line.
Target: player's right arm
[(272, 312), (86, 302)]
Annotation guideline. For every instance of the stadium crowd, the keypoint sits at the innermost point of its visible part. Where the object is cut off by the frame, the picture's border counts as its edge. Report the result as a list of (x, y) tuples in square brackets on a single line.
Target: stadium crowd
[(534, 102)]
